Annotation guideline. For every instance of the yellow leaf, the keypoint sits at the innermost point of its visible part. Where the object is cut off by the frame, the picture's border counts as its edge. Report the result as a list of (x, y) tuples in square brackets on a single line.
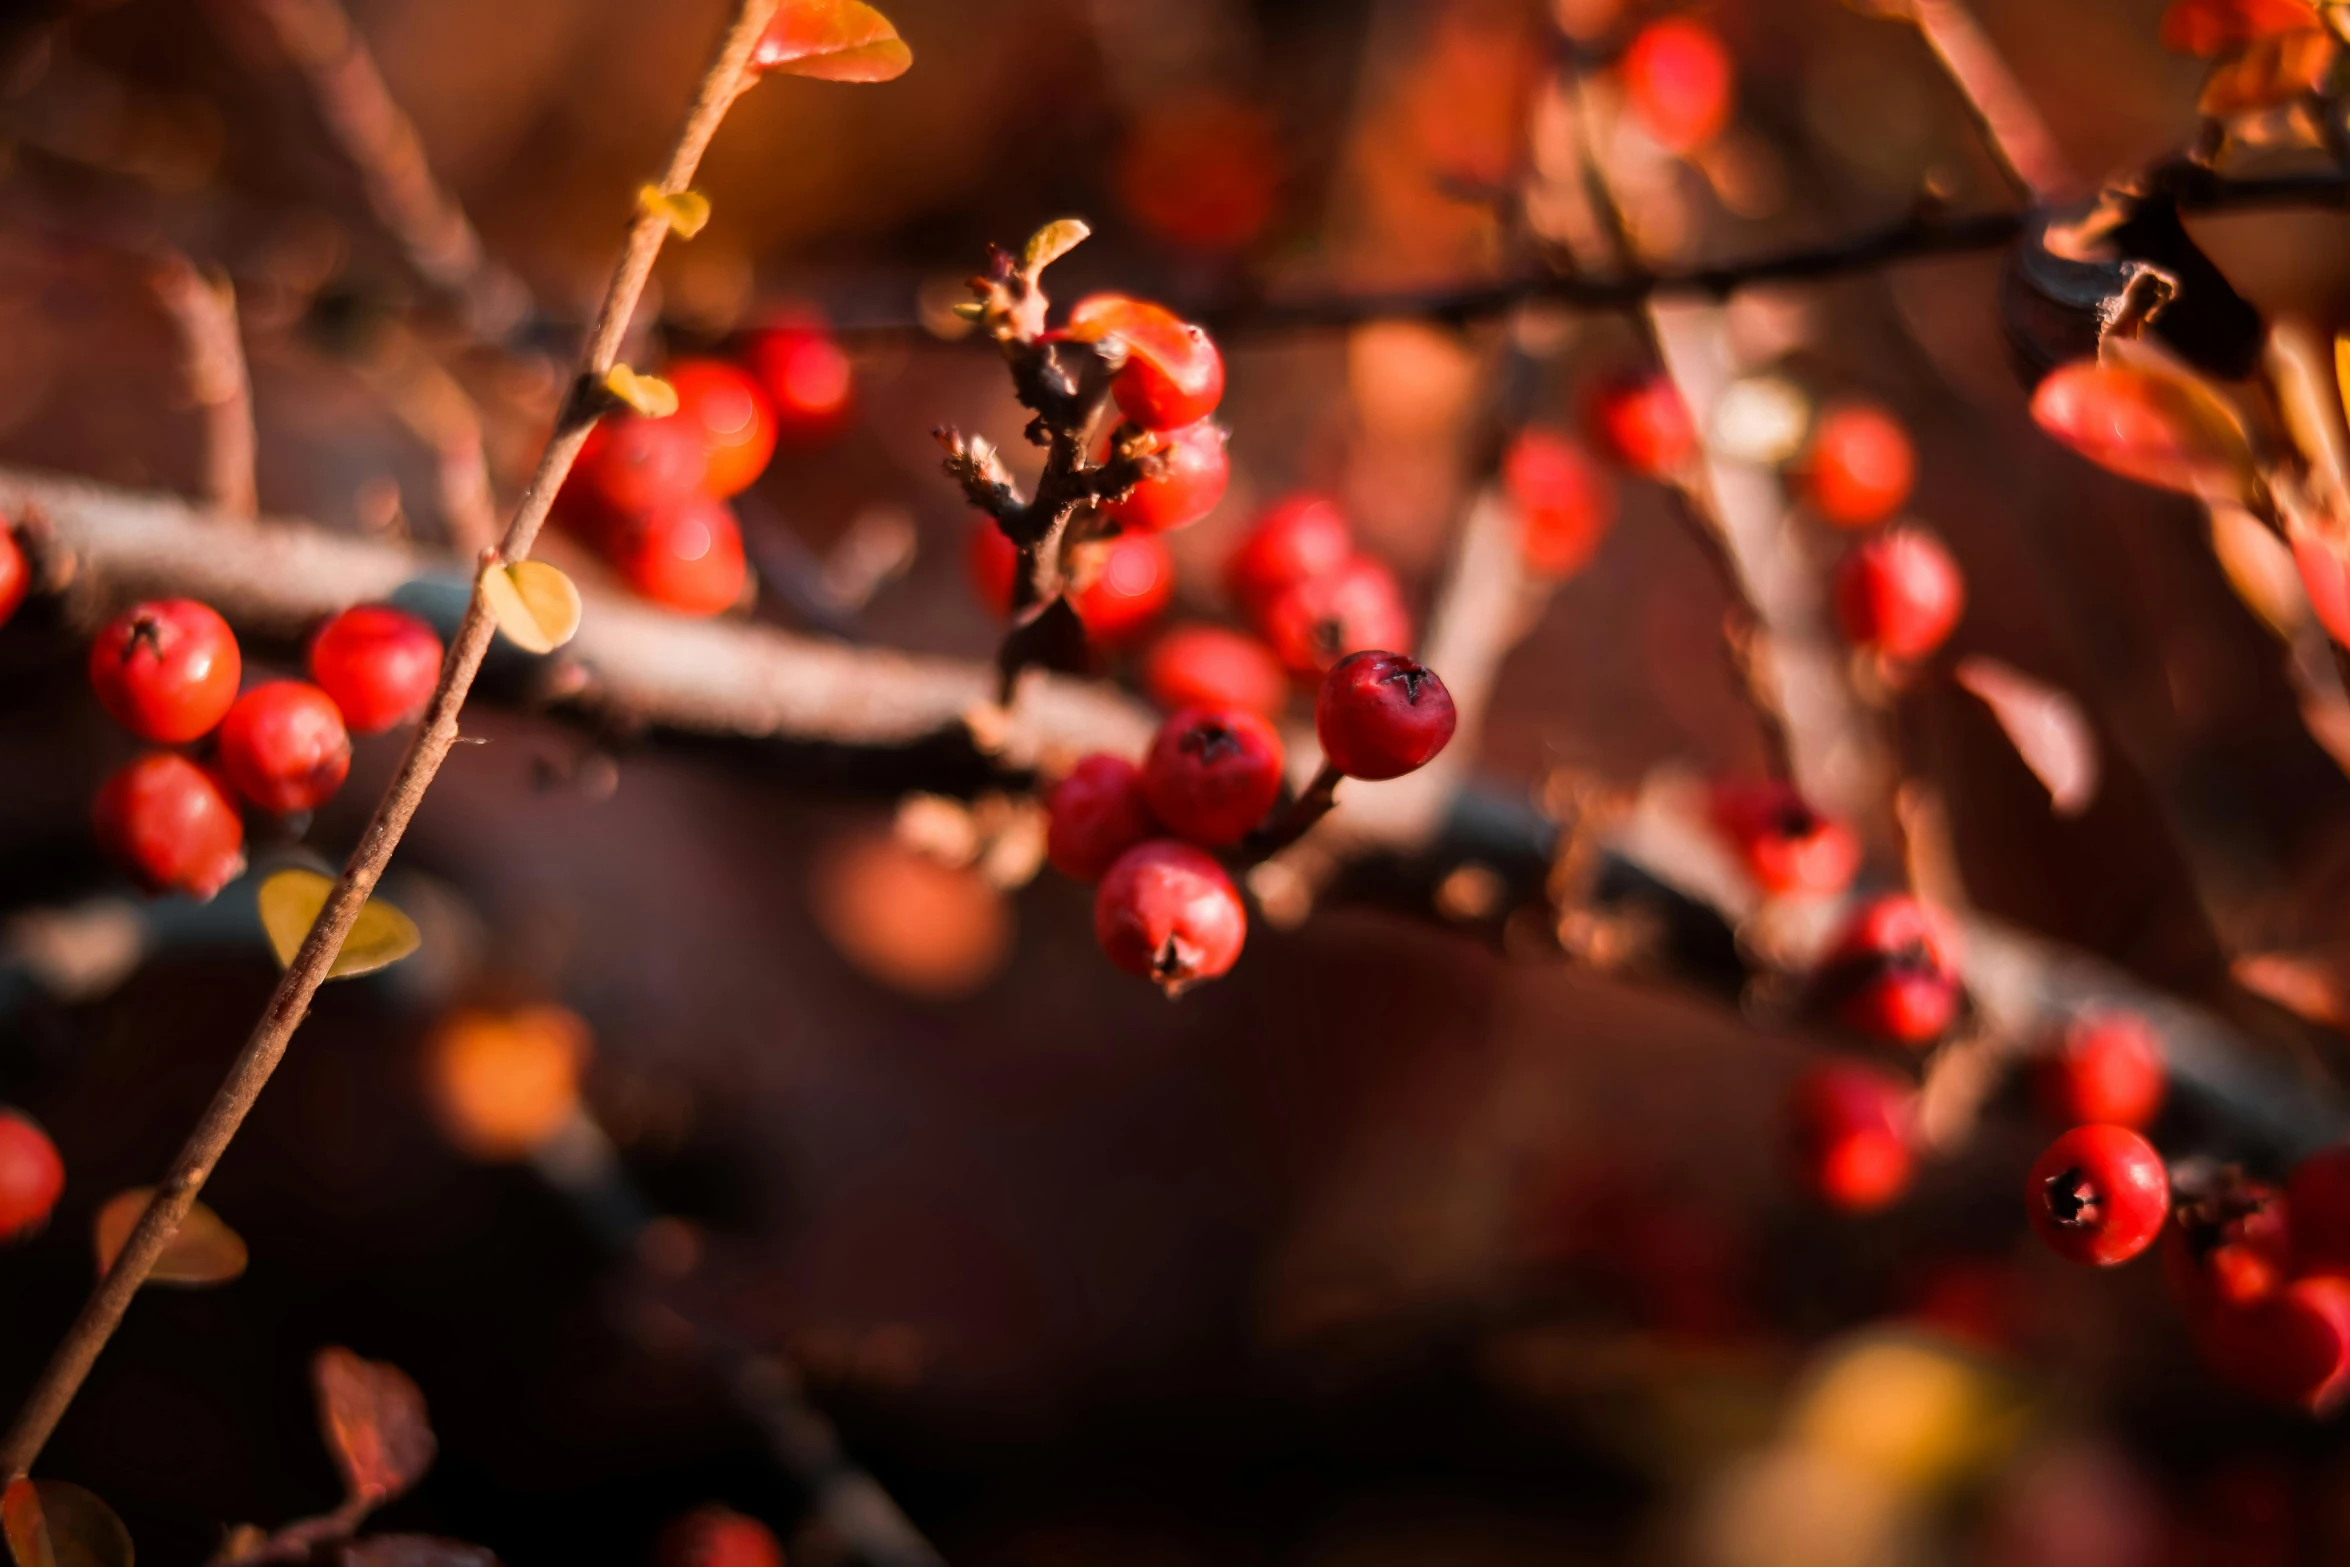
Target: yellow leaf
[(647, 394), (290, 902), (834, 41), (535, 605), (203, 1250), (1050, 243), (687, 211), (49, 1523)]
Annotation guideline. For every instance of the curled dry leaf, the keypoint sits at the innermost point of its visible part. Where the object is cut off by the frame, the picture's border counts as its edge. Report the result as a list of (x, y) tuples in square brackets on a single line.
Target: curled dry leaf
[(834, 41), (2145, 417), (290, 901), (49, 1523), (647, 394), (2302, 984), (202, 1251), (537, 608), (2045, 725), (687, 211), (372, 1415)]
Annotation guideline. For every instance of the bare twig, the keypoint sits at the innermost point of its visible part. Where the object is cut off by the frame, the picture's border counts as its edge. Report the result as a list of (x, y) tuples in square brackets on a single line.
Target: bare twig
[(203, 310), (63, 1375)]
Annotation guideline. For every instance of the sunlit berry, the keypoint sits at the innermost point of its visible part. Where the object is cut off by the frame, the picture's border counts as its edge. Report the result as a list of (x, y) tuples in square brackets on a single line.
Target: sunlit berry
[(167, 670), (1200, 665), (1678, 80), (1119, 586), (1893, 973), (2228, 1245), (1566, 502), (1785, 845), (1212, 774), (687, 556), (379, 663), (2098, 1195), (1173, 375), (1849, 1135), (715, 1536), (1860, 466), (16, 573), (1639, 420), (1193, 470), (731, 411), (1382, 715), (631, 464), (1167, 911), (2104, 1066), (170, 824), (31, 1175), (809, 380), (1296, 539), (1899, 593), (1311, 625), (1095, 813), (284, 746)]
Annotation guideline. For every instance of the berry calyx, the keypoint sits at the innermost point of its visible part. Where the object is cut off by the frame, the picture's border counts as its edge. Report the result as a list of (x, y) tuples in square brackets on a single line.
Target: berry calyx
[(1785, 845), (2104, 1067), (1678, 81), (1893, 973), (284, 747), (1860, 467), (724, 405), (1640, 421), (1193, 470), (686, 556), (1566, 502), (2229, 1244), (808, 379), (1900, 593), (715, 1536), (171, 825), (2098, 1195), (1382, 715), (31, 1175), (1173, 375), (379, 664), (1167, 911), (1312, 624), (1849, 1135), (1094, 814), (167, 670), (16, 573), (1212, 774), (1303, 537), (1210, 666)]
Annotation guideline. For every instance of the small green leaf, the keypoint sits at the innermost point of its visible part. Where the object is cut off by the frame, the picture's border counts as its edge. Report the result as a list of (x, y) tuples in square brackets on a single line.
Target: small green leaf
[(1050, 243), (687, 211), (647, 394)]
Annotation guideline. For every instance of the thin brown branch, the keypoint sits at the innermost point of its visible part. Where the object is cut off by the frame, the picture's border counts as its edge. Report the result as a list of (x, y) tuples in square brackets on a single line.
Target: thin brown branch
[(2017, 135), (203, 311), (176, 1193)]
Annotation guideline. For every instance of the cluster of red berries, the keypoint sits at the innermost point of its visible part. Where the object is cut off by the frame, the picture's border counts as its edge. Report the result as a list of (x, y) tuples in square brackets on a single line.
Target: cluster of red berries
[(168, 671), (1564, 498), (1166, 907), (651, 494), (1898, 592)]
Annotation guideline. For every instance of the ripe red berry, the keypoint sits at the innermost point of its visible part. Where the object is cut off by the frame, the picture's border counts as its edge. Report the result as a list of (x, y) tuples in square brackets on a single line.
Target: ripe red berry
[(1119, 586), (992, 562), (1893, 973), (1849, 1127), (2098, 1195), (1677, 79), (1785, 845), (2229, 1245), (1566, 502), (1189, 483), (808, 378), (1382, 715), (1302, 537), (31, 1175), (1311, 625), (1640, 421), (378, 663), (1860, 466), (167, 670), (1899, 593), (284, 746), (715, 1536), (1212, 774), (171, 825), (2104, 1067), (687, 556), (631, 464), (2318, 1195), (1210, 666), (1168, 911), (1094, 814), (1173, 375), (2291, 1348), (16, 573), (728, 409)]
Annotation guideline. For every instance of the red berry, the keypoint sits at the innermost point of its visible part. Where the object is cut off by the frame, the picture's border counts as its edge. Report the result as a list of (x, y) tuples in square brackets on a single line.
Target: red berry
[(1173, 375), (379, 663), (1677, 79), (1640, 421), (1212, 774), (1899, 593), (1094, 814), (1850, 1135), (1188, 485), (31, 1175), (2318, 1193), (2105, 1067), (170, 824), (2098, 1195), (1302, 537), (993, 561), (1210, 666), (167, 670), (1313, 624), (1119, 586), (715, 1536), (1785, 845), (1168, 911), (725, 406), (1382, 715), (1893, 973), (1860, 466), (16, 573), (2228, 1246), (1566, 502), (2291, 1348), (284, 746), (808, 379), (631, 464), (687, 556)]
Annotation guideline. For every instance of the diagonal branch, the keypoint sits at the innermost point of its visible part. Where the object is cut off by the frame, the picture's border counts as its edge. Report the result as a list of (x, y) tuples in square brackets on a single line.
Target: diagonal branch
[(203, 310)]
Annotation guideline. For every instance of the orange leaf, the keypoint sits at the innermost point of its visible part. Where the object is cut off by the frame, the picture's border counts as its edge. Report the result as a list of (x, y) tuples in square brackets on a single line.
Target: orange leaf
[(2147, 419), (372, 1416), (51, 1524), (833, 41), (2046, 727), (2270, 72), (202, 1251), (2206, 27)]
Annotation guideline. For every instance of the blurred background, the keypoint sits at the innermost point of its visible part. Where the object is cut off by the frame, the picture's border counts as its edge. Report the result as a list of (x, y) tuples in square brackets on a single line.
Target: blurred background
[(1407, 1243)]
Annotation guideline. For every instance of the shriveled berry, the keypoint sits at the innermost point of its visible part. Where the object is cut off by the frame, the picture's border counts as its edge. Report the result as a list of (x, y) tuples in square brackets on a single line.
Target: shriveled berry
[(2228, 1244), (1167, 911), (284, 746), (1119, 586), (1094, 814), (1893, 973), (1678, 81), (1785, 845), (1899, 593), (1313, 624), (31, 1175), (1640, 421), (715, 1536), (2098, 1195), (1212, 774), (2291, 1348), (1296, 539), (379, 663), (167, 670), (687, 556), (1173, 375), (1860, 467), (727, 407), (171, 825), (2104, 1066), (809, 380), (16, 573), (2318, 1192), (1566, 502), (1382, 715), (1193, 471), (1199, 665), (1849, 1135)]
